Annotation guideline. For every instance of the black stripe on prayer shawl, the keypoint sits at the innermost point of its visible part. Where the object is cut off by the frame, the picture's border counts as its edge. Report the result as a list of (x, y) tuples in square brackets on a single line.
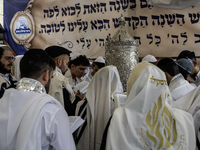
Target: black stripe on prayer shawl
[(82, 113), (82, 107)]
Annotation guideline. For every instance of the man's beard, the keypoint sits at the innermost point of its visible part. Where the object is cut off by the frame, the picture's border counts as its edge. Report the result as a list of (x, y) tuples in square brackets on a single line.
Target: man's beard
[(3, 70), (61, 67), (47, 86), (48, 83)]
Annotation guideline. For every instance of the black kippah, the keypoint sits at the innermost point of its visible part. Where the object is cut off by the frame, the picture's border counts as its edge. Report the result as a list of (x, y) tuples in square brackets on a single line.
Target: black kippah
[(35, 52), (55, 51), (186, 54)]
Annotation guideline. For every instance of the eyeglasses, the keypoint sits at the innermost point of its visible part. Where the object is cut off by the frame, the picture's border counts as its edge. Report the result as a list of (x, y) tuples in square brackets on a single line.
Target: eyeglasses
[(9, 58)]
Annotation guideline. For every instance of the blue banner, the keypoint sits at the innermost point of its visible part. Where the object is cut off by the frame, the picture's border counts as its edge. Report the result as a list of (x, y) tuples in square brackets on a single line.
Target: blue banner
[(10, 8)]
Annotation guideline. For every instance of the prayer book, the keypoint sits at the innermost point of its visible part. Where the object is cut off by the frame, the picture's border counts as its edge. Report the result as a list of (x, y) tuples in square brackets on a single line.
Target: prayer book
[(75, 122), (120, 100), (82, 87)]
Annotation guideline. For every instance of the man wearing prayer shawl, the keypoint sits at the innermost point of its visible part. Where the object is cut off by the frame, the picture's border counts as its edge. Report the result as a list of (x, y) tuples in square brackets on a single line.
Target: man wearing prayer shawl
[(60, 88), (30, 119), (6, 62), (191, 103), (96, 65), (147, 121), (77, 66), (178, 85), (100, 106)]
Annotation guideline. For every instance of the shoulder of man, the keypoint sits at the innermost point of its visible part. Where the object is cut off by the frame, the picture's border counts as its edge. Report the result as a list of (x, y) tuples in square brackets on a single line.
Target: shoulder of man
[(58, 77)]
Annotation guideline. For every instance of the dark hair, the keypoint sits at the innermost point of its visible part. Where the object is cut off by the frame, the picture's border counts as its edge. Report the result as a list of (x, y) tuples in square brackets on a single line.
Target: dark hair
[(99, 65), (35, 62), (187, 54), (169, 66), (80, 60), (3, 48)]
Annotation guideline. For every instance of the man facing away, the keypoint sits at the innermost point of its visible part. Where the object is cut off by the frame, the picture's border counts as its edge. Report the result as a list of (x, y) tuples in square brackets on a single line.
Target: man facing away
[(30, 119), (60, 87), (195, 74), (77, 66), (178, 85), (6, 62)]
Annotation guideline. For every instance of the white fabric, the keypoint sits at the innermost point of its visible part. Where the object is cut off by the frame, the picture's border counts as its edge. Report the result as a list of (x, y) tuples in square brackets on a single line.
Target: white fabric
[(105, 83), (16, 67), (147, 121), (74, 55), (149, 58), (173, 4), (100, 59), (197, 79), (179, 87), (191, 103), (72, 82), (58, 83), (5, 78), (33, 121), (3, 45), (88, 76)]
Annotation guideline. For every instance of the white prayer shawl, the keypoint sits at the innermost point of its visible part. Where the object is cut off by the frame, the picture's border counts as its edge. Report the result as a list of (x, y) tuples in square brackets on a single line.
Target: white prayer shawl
[(16, 67), (173, 4), (58, 83), (197, 79), (68, 75), (191, 103), (2, 80), (178, 87), (88, 76), (23, 129), (105, 83), (147, 121)]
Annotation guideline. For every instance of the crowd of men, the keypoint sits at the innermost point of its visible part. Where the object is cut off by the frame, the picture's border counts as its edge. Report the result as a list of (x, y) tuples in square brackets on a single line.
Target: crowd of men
[(38, 95)]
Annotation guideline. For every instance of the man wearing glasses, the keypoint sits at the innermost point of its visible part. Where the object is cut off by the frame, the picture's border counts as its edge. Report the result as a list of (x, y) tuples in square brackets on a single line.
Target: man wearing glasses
[(6, 61)]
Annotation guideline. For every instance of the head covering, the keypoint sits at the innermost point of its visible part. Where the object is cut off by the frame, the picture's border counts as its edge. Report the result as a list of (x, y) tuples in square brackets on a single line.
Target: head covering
[(186, 64), (186, 54), (147, 121), (100, 60), (149, 58), (55, 51), (105, 83), (74, 55)]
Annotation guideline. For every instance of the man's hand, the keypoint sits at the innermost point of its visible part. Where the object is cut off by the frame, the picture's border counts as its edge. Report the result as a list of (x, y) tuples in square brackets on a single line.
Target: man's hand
[(79, 94)]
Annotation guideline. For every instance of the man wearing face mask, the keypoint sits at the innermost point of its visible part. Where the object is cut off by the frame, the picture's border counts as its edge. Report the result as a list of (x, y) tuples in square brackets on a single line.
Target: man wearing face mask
[(6, 61)]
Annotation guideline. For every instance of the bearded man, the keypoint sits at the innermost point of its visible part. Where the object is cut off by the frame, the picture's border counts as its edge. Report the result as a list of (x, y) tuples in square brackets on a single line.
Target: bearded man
[(6, 61), (30, 118)]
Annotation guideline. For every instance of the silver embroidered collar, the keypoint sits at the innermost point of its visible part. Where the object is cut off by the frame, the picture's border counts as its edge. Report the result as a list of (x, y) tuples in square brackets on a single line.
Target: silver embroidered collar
[(27, 84)]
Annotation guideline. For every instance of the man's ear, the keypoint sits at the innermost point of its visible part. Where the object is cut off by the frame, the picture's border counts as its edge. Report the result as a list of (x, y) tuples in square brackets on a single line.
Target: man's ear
[(168, 77), (58, 62), (45, 76), (72, 66)]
